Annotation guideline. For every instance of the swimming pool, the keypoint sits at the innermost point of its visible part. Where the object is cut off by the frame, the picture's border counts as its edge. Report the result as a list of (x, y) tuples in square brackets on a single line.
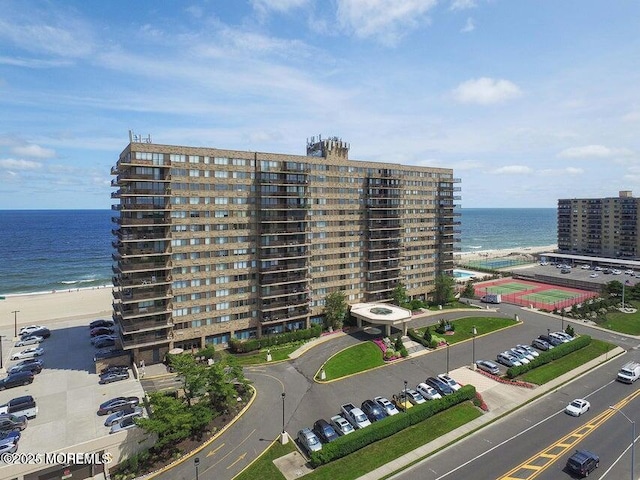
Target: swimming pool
[(462, 274)]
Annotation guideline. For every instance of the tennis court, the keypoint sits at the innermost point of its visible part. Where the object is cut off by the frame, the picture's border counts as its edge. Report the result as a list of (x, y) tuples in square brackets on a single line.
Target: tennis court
[(494, 263), (538, 295)]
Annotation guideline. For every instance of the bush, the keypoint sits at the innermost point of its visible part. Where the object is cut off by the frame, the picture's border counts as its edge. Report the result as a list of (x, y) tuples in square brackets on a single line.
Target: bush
[(411, 333), (403, 352), (253, 344), (388, 426), (551, 355)]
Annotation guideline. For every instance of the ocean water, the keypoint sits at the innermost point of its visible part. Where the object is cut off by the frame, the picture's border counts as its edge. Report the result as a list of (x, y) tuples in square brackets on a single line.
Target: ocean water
[(46, 250)]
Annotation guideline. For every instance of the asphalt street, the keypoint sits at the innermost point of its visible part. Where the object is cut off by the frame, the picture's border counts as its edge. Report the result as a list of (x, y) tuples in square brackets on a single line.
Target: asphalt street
[(306, 400)]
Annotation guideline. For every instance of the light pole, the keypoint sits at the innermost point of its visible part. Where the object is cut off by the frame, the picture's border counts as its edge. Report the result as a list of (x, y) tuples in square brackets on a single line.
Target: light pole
[(196, 462), (562, 316), (474, 332), (447, 358), (404, 400), (633, 437), (283, 436), (15, 323), (1, 337)]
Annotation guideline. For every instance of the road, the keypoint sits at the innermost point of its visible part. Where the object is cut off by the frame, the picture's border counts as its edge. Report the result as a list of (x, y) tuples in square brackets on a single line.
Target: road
[(306, 401)]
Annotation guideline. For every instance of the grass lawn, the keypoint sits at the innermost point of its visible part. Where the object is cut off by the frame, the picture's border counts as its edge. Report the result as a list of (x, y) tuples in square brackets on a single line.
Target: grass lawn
[(548, 372), (464, 327), (374, 455), (258, 357), (628, 323), (358, 358), (263, 468)]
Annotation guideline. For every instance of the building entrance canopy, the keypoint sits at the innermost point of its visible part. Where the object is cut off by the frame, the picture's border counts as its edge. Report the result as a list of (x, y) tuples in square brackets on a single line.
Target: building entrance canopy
[(382, 314)]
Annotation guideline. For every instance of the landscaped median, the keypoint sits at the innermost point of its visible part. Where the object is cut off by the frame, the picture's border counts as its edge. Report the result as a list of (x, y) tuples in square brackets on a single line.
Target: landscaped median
[(388, 426)]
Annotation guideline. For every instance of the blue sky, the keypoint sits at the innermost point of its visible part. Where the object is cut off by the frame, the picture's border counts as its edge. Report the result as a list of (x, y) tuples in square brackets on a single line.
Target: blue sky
[(528, 101)]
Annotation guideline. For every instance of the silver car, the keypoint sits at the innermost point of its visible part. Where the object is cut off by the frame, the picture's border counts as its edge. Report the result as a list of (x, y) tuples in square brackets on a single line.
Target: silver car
[(122, 414), (28, 353), (29, 340), (309, 440), (125, 424)]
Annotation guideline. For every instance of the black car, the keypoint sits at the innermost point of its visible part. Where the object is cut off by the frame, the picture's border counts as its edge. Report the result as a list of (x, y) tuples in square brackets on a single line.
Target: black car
[(113, 376), (101, 331), (11, 423), (373, 411), (33, 368), (325, 431), (105, 342), (551, 340), (16, 379), (114, 368), (117, 404), (441, 386), (583, 462), (101, 323), (40, 332)]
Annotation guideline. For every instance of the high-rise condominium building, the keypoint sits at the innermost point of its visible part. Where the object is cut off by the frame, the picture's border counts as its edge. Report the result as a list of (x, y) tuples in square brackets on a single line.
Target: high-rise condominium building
[(600, 227), (213, 244)]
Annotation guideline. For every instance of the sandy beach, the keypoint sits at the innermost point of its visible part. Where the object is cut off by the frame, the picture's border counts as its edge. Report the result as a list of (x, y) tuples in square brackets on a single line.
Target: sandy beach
[(509, 252), (49, 308)]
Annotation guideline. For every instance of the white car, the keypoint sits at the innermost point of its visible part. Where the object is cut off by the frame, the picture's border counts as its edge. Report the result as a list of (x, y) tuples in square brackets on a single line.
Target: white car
[(450, 381), (388, 407), (524, 352), (28, 353), (629, 272), (520, 356), (615, 271), (428, 392), (530, 350), (341, 425), (415, 397), (594, 275), (29, 340), (508, 360), (30, 329), (585, 267), (577, 407), (597, 269)]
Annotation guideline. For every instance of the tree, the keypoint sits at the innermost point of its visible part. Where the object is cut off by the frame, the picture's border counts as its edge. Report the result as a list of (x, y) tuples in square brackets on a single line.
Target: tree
[(399, 295), (223, 379), (193, 375), (444, 291), (335, 309), (171, 421), (469, 291)]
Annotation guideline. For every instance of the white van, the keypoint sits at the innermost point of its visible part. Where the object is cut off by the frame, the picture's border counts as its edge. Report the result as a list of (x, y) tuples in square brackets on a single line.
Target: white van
[(629, 372), (20, 406)]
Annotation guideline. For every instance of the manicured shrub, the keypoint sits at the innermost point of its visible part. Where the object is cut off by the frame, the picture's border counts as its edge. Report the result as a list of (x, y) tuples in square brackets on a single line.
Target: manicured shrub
[(253, 344), (551, 355)]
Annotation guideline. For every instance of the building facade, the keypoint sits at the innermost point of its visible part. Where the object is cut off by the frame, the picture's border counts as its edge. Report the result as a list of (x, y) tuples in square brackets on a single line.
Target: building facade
[(212, 244), (599, 227)]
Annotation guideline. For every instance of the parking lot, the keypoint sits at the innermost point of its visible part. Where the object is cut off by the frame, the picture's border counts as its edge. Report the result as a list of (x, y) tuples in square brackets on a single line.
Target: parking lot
[(577, 273), (67, 394)]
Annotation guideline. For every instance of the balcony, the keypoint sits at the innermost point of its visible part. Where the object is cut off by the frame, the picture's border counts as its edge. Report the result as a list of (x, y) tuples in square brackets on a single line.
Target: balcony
[(125, 267), (127, 295), (126, 221), (145, 340), (128, 327), (290, 314), (300, 288), (290, 301), (130, 310), (284, 278)]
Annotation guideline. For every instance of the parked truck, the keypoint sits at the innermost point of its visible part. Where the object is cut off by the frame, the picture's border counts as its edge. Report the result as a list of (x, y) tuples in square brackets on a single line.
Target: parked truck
[(491, 298), (629, 373), (355, 416)]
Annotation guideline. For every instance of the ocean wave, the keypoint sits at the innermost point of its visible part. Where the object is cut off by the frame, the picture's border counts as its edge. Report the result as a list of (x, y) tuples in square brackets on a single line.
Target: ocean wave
[(73, 282), (475, 247)]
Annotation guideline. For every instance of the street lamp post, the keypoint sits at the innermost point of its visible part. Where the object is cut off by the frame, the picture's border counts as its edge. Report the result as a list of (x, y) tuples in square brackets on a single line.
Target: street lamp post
[(474, 332), (196, 462), (1, 337), (15, 323), (404, 400), (283, 436), (447, 358), (562, 316), (633, 437)]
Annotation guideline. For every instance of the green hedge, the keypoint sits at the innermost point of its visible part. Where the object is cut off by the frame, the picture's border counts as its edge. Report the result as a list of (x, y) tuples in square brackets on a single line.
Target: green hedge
[(551, 355), (388, 426), (245, 346), (411, 333)]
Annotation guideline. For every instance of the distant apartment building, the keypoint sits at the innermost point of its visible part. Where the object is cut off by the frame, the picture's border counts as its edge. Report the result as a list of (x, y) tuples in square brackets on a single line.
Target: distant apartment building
[(600, 227), (212, 244)]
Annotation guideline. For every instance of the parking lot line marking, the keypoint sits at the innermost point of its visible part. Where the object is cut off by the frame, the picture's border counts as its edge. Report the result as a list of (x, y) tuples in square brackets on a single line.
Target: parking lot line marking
[(213, 452)]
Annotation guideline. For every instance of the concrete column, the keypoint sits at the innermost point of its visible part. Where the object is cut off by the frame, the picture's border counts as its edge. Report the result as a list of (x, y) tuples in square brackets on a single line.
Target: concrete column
[(387, 330), (359, 322)]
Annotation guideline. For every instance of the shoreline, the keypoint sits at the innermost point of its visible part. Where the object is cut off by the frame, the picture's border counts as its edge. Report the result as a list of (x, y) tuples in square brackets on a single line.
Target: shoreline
[(505, 252)]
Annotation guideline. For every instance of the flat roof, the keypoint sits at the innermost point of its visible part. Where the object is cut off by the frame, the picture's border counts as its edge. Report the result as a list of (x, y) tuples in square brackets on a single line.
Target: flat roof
[(587, 259), (383, 313)]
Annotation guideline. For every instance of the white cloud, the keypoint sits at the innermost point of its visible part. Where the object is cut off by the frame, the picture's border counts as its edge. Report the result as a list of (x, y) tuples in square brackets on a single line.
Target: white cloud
[(462, 4), (470, 26), (486, 91), (13, 164), (33, 151), (277, 5), (632, 116), (594, 151), (513, 170), (387, 20), (554, 172)]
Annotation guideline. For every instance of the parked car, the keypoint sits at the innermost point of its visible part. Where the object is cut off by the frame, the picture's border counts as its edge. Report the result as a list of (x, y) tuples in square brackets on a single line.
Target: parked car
[(31, 328), (388, 407), (28, 353), (9, 442), (629, 272), (560, 337), (29, 340), (33, 368), (9, 422), (121, 414), (441, 387), (43, 332), (530, 350), (124, 424), (114, 376), (428, 392), (309, 440), (564, 335), (16, 380), (114, 368), (324, 430), (415, 397), (101, 323), (341, 425), (105, 342), (99, 338), (541, 344), (373, 411), (116, 404), (508, 360), (488, 366), (593, 275), (583, 462), (450, 381), (615, 271), (401, 401), (524, 358), (20, 406), (554, 342), (577, 407), (96, 332)]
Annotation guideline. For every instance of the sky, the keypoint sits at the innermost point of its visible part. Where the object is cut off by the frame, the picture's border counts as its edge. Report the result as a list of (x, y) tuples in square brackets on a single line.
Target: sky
[(528, 101)]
